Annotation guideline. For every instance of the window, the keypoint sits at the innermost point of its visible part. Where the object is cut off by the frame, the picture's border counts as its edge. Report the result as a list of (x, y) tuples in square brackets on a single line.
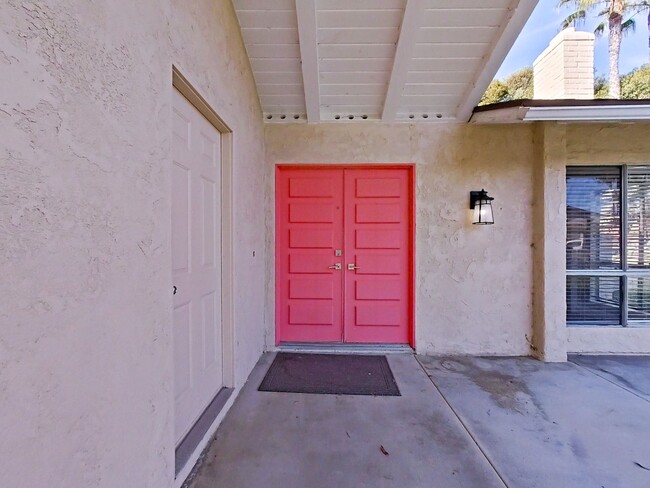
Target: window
[(608, 246)]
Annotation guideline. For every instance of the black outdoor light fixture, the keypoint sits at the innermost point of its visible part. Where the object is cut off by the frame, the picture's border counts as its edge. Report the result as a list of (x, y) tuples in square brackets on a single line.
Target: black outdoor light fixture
[(481, 203)]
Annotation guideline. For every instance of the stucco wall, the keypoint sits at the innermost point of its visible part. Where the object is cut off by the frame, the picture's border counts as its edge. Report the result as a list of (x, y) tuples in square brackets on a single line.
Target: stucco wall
[(473, 283), (86, 395), (549, 228), (587, 144)]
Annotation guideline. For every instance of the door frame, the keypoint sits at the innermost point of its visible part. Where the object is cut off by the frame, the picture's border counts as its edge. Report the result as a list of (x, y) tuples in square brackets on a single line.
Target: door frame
[(410, 167)]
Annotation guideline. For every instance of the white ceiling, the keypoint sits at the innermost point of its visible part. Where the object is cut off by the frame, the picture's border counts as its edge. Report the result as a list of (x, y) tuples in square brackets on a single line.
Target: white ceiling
[(389, 60)]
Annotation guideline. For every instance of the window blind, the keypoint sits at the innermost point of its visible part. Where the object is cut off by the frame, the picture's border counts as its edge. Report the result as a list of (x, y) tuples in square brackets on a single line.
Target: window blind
[(638, 290), (593, 300), (593, 218), (638, 218)]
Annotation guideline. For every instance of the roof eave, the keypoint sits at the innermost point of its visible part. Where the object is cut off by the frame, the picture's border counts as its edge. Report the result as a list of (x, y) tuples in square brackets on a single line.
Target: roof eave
[(563, 111)]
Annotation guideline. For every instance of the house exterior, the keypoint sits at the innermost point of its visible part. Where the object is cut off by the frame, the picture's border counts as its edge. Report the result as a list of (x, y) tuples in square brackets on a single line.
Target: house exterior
[(123, 121)]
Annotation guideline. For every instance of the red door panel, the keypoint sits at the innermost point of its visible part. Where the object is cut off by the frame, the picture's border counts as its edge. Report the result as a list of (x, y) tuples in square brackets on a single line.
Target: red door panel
[(377, 242), (364, 213), (309, 216)]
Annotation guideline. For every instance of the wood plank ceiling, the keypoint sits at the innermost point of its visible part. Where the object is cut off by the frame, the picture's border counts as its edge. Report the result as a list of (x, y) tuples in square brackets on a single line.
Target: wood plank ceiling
[(389, 60)]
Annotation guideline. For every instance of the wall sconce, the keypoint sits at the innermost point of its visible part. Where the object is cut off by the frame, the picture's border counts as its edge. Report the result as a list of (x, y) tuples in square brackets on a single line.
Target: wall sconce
[(481, 203)]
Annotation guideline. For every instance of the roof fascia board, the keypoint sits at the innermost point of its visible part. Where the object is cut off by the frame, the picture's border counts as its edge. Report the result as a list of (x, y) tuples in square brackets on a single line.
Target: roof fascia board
[(589, 114)]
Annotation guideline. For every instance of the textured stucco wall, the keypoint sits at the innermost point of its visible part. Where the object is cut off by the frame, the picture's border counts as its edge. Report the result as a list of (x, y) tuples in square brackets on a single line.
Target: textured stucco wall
[(549, 228), (473, 283), (587, 144), (85, 316)]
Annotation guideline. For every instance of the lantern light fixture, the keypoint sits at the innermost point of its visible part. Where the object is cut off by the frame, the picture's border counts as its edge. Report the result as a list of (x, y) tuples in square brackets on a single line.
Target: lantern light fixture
[(481, 203)]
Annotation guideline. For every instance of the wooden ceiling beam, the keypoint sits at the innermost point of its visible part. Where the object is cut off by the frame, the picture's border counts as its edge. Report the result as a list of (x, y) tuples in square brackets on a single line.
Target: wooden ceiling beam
[(308, 35), (413, 14)]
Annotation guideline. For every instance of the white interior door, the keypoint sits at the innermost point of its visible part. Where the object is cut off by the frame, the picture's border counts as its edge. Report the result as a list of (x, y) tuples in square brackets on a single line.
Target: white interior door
[(196, 263)]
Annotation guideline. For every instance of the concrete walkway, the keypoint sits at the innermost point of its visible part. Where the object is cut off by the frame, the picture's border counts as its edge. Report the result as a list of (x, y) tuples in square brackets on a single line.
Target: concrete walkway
[(460, 422)]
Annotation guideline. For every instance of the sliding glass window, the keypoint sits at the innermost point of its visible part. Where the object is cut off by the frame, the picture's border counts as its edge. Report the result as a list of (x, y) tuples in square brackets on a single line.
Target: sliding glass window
[(608, 269)]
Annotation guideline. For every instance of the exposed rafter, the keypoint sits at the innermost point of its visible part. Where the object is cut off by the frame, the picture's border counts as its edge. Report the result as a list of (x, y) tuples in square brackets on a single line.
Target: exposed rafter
[(518, 15), (408, 32), (392, 60), (307, 33)]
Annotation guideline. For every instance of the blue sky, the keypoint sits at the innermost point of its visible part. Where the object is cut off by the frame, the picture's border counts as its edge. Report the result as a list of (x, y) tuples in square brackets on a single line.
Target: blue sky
[(544, 24)]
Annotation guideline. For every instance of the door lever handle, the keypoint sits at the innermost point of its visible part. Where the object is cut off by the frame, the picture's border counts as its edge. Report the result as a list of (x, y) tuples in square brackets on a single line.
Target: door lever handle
[(335, 266), (352, 266)]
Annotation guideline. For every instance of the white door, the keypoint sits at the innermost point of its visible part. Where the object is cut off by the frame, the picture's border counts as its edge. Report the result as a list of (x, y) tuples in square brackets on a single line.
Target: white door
[(196, 263)]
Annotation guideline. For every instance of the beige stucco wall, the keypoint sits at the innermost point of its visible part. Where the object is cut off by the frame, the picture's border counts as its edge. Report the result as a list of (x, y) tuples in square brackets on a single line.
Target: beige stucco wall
[(549, 230), (86, 395), (585, 144), (473, 283)]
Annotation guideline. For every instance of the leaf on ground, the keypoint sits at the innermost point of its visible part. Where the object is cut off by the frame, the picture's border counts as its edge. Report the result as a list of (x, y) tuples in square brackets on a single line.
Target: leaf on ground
[(383, 450), (641, 466)]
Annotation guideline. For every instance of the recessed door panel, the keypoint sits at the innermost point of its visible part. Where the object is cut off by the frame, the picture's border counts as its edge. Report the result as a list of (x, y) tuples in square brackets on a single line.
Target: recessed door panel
[(377, 315), (376, 288), (312, 186), (315, 289), (377, 187), (367, 237), (378, 213), (379, 264), (311, 212), (310, 237)]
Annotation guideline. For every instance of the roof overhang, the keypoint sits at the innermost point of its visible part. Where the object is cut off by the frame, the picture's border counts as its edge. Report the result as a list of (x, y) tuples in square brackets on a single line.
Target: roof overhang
[(562, 111), (388, 61)]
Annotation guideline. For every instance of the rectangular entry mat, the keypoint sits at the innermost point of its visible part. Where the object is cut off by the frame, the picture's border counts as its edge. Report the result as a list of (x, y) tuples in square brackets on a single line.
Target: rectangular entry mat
[(330, 374)]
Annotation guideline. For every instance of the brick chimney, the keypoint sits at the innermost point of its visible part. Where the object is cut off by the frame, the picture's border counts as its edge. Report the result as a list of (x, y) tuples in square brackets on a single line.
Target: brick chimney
[(565, 70)]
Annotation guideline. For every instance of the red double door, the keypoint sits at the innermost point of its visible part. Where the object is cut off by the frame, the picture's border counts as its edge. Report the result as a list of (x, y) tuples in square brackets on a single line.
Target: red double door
[(344, 255)]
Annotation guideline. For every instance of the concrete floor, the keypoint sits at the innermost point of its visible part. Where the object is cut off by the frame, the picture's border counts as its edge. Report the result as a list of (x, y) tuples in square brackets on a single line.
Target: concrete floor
[(460, 422)]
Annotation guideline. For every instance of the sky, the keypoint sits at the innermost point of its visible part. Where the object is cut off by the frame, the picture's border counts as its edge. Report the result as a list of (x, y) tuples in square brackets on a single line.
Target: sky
[(544, 24)]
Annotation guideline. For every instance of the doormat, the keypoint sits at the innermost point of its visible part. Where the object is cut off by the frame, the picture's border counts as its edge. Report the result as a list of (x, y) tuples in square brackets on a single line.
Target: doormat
[(330, 374)]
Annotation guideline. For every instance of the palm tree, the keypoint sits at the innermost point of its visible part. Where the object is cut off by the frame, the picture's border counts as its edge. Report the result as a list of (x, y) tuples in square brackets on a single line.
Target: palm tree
[(613, 11)]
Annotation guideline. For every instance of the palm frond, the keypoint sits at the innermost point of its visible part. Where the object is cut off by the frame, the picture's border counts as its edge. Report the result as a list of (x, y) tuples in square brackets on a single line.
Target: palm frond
[(588, 4), (600, 28), (576, 18), (629, 25)]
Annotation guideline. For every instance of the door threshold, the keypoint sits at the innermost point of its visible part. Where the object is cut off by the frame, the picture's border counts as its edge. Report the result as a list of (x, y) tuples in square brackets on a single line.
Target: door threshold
[(343, 348)]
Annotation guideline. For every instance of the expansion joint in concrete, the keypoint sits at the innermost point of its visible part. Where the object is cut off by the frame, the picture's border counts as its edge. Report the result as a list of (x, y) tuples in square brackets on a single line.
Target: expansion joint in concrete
[(602, 377), (469, 432)]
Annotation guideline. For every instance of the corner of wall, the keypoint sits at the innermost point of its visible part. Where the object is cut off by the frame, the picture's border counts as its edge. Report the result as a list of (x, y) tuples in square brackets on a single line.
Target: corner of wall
[(549, 341)]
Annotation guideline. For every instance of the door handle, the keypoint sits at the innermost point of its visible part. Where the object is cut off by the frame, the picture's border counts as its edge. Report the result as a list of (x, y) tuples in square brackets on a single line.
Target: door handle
[(335, 266), (352, 266)]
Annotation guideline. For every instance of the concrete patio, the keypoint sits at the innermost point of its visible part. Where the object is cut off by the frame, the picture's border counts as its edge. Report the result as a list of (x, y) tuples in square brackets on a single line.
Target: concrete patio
[(460, 422)]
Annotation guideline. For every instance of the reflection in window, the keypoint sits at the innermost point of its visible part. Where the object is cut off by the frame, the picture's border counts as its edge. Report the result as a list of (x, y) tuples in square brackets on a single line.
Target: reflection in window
[(638, 220), (593, 300), (607, 210), (638, 290), (593, 221)]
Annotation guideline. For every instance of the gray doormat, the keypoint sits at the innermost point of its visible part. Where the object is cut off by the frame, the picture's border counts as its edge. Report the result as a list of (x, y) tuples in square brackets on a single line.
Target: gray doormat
[(330, 374)]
